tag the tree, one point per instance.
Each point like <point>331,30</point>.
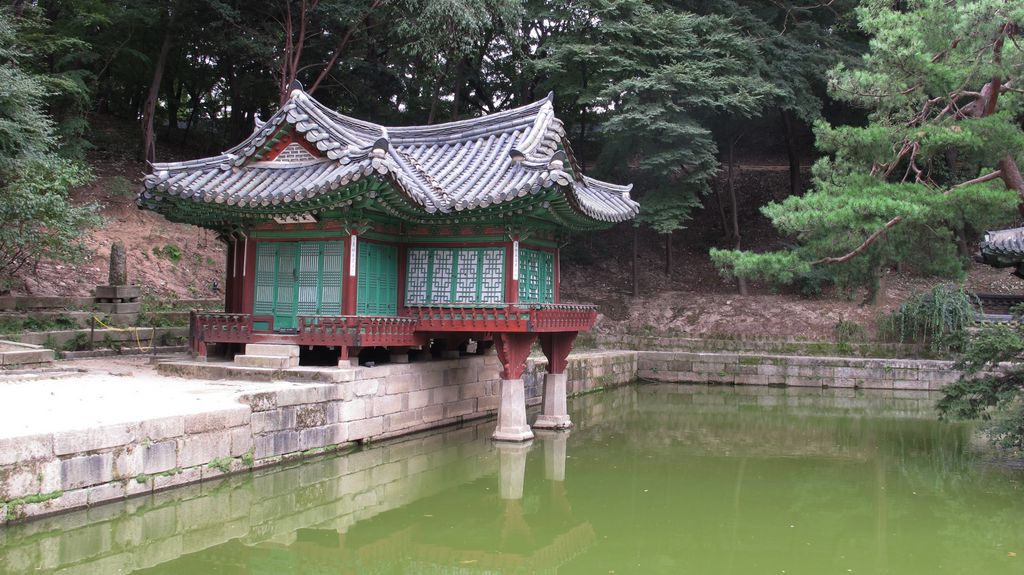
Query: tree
<point>37,220</point>
<point>945,119</point>
<point>653,77</point>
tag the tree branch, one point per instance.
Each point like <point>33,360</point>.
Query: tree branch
<point>860,249</point>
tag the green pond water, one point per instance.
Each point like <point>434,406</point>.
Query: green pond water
<point>653,479</point>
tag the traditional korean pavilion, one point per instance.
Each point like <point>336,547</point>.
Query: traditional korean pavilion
<point>344,234</point>
<point>1003,249</point>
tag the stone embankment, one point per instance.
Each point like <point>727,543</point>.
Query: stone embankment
<point>791,370</point>
<point>128,455</point>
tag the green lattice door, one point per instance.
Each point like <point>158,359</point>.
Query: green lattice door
<point>377,281</point>
<point>297,278</point>
<point>536,276</point>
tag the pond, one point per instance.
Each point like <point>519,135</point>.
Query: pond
<point>653,479</point>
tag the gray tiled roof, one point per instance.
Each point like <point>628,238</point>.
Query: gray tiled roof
<point>440,169</point>
<point>1002,248</point>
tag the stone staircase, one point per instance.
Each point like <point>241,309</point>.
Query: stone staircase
<point>269,355</point>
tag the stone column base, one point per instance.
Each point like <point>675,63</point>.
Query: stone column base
<point>512,424</point>
<point>555,414</point>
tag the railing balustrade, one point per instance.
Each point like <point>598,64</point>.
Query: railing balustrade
<point>406,329</point>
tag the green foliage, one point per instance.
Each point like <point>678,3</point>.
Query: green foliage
<point>222,464</point>
<point>169,251</point>
<point>939,317</point>
<point>652,76</point>
<point>37,219</point>
<point>991,392</point>
<point>912,161</point>
<point>774,267</point>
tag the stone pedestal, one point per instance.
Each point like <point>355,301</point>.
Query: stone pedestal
<point>512,468</point>
<point>555,414</point>
<point>554,453</point>
<point>512,424</point>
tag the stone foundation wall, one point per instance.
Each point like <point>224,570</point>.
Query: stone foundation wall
<point>800,371</point>
<point>60,471</point>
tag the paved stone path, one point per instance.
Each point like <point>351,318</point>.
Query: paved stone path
<point>112,390</point>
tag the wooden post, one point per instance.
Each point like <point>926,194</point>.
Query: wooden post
<point>92,331</point>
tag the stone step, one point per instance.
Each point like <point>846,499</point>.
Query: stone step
<point>271,361</point>
<point>272,349</point>
<point>214,370</point>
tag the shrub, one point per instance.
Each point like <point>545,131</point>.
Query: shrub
<point>939,318</point>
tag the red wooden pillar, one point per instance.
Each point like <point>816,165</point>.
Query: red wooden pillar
<point>512,270</point>
<point>230,281</point>
<point>247,277</point>
<point>558,275</point>
<point>402,255</point>
<point>348,282</point>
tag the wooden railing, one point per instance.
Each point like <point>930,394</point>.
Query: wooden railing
<point>356,331</point>
<point>411,328</point>
<point>222,327</point>
<point>522,317</point>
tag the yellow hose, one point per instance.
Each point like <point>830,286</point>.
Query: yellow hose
<point>134,331</point>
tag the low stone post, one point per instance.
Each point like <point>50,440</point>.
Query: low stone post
<point>117,275</point>
<point>117,299</point>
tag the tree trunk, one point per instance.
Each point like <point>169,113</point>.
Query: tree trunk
<point>795,184</point>
<point>458,86</point>
<point>741,283</point>
<point>174,91</point>
<point>195,100</point>
<point>668,254</point>
<point>636,261</point>
<point>721,207</point>
<point>1012,178</point>
<point>148,134</point>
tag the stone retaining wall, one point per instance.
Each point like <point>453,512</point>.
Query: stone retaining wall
<point>783,346</point>
<point>802,371</point>
<point>66,470</point>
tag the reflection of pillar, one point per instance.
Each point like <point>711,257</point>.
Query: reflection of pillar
<point>512,351</point>
<point>512,468</point>
<point>554,453</point>
<point>555,413</point>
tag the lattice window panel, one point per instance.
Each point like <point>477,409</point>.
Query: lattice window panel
<point>416,277</point>
<point>309,272</point>
<point>536,276</point>
<point>266,264</point>
<point>441,280</point>
<point>466,276</point>
<point>492,282</point>
<point>294,153</point>
<point>330,298</point>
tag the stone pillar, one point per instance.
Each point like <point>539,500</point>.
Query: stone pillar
<point>554,453</point>
<point>513,348</point>
<point>512,468</point>
<point>118,272</point>
<point>512,425</point>
<point>555,414</point>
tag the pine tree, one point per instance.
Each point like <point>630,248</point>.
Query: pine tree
<point>936,163</point>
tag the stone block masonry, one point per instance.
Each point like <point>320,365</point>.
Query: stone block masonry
<point>796,371</point>
<point>73,468</point>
